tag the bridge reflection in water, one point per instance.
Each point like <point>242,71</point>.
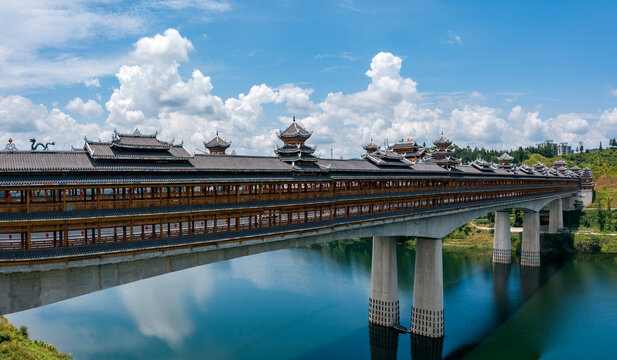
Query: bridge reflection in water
<point>384,341</point>
<point>21,291</point>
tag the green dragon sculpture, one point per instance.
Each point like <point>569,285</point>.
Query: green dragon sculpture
<point>45,147</point>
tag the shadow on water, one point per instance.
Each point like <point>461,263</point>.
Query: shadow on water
<point>531,280</point>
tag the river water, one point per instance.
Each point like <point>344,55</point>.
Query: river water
<point>312,303</point>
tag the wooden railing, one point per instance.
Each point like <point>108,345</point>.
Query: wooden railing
<point>36,234</point>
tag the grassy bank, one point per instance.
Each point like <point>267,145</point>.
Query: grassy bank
<point>15,344</point>
<point>468,237</point>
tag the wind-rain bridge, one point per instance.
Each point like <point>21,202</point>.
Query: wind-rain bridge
<point>138,197</point>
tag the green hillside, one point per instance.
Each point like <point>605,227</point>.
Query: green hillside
<point>602,163</point>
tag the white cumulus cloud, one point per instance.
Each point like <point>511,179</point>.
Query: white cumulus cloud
<point>22,120</point>
<point>89,108</point>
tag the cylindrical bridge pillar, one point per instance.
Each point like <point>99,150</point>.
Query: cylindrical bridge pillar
<point>530,247</point>
<point>555,216</point>
<point>427,308</point>
<point>502,245</point>
<point>383,303</point>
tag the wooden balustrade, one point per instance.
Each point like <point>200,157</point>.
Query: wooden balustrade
<point>35,234</point>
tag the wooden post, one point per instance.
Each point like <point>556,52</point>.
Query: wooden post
<point>66,236</point>
<point>131,224</point>
<point>28,200</point>
<point>98,200</point>
<point>161,228</point>
<point>100,235</point>
<point>28,240</point>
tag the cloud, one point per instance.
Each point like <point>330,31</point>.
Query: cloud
<point>152,95</point>
<point>170,47</point>
<point>453,39</point>
<point>478,124</point>
<point>21,120</point>
<point>613,92</point>
<point>210,5</point>
<point>345,55</point>
<point>89,108</point>
<point>92,82</point>
<point>33,31</point>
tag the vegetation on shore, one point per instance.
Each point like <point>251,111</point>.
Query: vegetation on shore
<point>15,344</point>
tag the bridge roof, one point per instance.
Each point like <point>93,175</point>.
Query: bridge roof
<point>18,168</point>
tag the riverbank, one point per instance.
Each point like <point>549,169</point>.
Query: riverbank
<point>481,239</point>
<point>15,344</point>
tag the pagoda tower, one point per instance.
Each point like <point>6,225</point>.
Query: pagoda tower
<point>294,150</point>
<point>505,162</point>
<point>540,168</point>
<point>217,146</point>
<point>442,155</point>
<point>371,147</point>
<point>409,149</point>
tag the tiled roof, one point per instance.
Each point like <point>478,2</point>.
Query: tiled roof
<point>45,160</point>
<point>217,142</point>
<point>442,141</point>
<point>240,163</point>
<point>505,157</point>
<point>294,130</point>
<point>371,147</point>
<point>105,151</point>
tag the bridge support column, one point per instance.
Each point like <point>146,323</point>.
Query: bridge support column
<point>530,247</point>
<point>502,244</point>
<point>555,216</point>
<point>383,303</point>
<point>427,308</point>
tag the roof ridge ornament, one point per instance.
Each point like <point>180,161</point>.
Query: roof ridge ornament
<point>136,132</point>
<point>10,146</point>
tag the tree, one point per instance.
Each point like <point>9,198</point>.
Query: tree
<point>582,148</point>
<point>578,205</point>
<point>518,218</point>
<point>600,216</point>
<point>600,148</point>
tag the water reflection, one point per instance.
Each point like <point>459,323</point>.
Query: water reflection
<point>426,348</point>
<point>312,303</point>
<point>501,278</point>
<point>383,341</point>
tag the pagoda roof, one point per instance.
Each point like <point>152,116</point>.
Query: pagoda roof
<point>107,151</point>
<point>442,140</point>
<point>371,147</point>
<point>483,165</point>
<point>405,145</point>
<point>290,149</point>
<point>217,142</point>
<point>526,169</point>
<point>294,130</point>
<point>138,141</point>
<point>575,168</point>
<point>505,157</point>
<point>559,163</point>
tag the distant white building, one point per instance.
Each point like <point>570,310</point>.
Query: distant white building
<point>563,148</point>
<point>560,149</point>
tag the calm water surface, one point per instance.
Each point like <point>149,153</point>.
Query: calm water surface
<point>313,304</point>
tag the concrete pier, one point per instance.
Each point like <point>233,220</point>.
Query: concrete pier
<point>530,247</point>
<point>427,308</point>
<point>383,303</point>
<point>502,244</point>
<point>555,216</point>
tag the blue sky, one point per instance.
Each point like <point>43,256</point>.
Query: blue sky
<point>495,74</point>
